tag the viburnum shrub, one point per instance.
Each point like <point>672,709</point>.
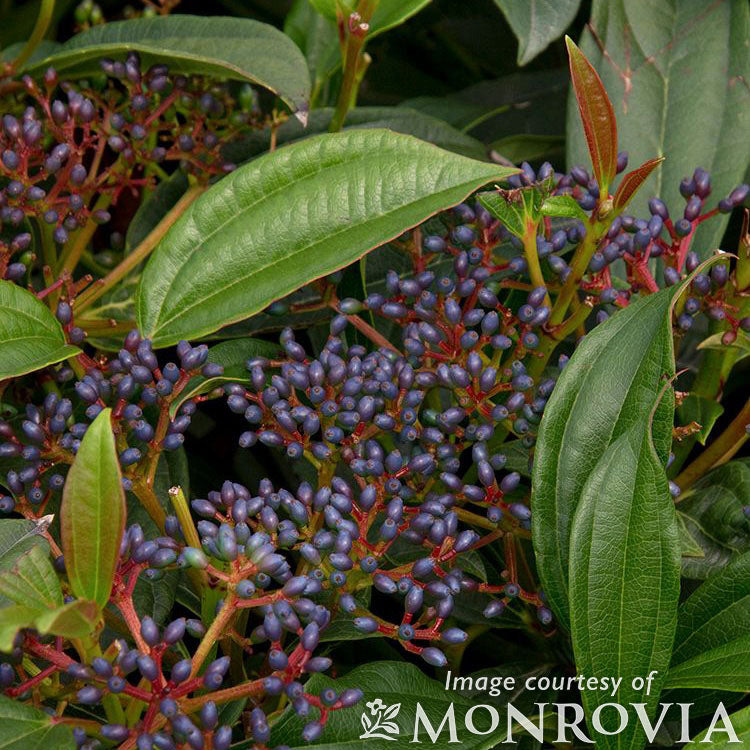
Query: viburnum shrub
<point>480,425</point>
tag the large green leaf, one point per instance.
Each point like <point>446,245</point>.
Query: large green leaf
<point>399,119</point>
<point>23,727</point>
<point>536,23</point>
<point>725,667</point>
<point>740,722</point>
<point>610,384</point>
<point>713,513</point>
<point>718,612</point>
<point>393,683</point>
<point>290,217</point>
<point>624,542</point>
<point>93,513</point>
<point>235,48</point>
<point>647,54</point>
<point>30,336</point>
<point>32,581</point>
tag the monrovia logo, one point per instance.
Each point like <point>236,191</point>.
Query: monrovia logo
<point>484,719</point>
<point>380,725</point>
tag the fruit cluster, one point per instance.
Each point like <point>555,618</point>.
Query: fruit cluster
<point>70,153</point>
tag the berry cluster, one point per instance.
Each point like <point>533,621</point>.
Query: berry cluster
<point>67,154</point>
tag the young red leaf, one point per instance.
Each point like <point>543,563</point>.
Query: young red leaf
<point>597,116</point>
<point>633,180</point>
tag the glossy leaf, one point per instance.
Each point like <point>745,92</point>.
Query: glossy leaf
<point>236,48</point>
<point>536,23</point>
<point>92,515</point>
<point>292,216</point>
<point>720,740</point>
<point>725,667</point>
<point>625,578</point>
<point>714,515</point>
<point>597,116</point>
<point>686,63</point>
<point>611,381</point>
<point>232,356</point>
<point>399,119</point>
<point>32,581</point>
<point>30,336</point>
<point>632,182</point>
<point>23,727</point>
<point>718,612</point>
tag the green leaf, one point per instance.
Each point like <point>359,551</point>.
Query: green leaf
<point>597,116</point>
<point>19,535</point>
<point>666,100</point>
<point>317,38</point>
<point>232,355</point>
<point>536,23</point>
<point>517,209</point>
<point>701,410</point>
<point>393,682</point>
<point>740,347</point>
<point>611,381</point>
<point>625,577</point>
<point>12,619</point>
<point>713,513</point>
<point>235,48</point>
<point>23,727</point>
<point>565,206</point>
<point>688,543</point>
<point>399,119</point>
<point>30,335</point>
<point>718,612</point>
<point>75,619</point>
<point>741,723</point>
<point>32,581</point>
<point>292,216</point>
<point>389,13</point>
<point>725,667</point>
<point>93,513</point>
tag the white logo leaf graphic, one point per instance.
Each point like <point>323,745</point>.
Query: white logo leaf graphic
<point>366,723</point>
<point>389,727</point>
<point>392,711</point>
